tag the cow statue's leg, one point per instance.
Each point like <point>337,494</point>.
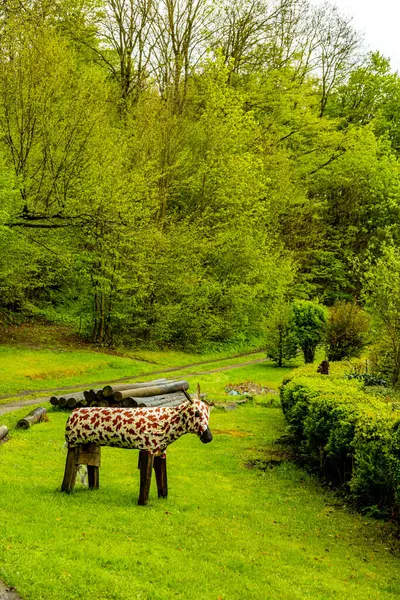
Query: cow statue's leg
<point>146,460</point>
<point>84,454</point>
<point>71,468</point>
<point>93,477</point>
<point>89,454</point>
<point>160,469</point>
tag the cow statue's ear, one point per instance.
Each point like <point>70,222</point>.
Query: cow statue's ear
<point>197,414</point>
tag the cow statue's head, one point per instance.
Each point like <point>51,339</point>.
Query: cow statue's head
<point>196,416</point>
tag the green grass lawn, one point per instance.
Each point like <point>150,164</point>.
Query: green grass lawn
<point>227,531</point>
<point>43,369</point>
<point>214,384</point>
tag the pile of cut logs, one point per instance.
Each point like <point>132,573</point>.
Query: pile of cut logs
<point>159,392</point>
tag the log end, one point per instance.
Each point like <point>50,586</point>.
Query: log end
<point>107,391</point>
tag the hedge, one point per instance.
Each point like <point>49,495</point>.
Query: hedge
<point>349,436</point>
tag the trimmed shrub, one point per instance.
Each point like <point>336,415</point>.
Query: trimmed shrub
<point>350,437</point>
<point>375,482</point>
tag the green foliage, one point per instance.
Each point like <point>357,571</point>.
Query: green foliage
<point>172,204</point>
<point>349,436</point>
<point>382,294</point>
<point>369,379</point>
<point>371,95</point>
<point>347,331</point>
<point>281,339</point>
<point>310,324</point>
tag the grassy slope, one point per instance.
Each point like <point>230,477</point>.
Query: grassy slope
<point>226,531</point>
<point>39,369</point>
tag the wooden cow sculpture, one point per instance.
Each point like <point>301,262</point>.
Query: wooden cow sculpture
<point>149,430</point>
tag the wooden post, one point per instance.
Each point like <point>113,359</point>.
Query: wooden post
<point>86,454</point>
<point>89,454</point>
<point>146,466</point>
<point>93,477</point>
<point>160,469</point>
<point>128,403</point>
<point>101,402</point>
<point>90,396</point>
<point>71,468</point>
<point>323,368</point>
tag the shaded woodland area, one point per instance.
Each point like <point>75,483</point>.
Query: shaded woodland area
<point>171,169</point>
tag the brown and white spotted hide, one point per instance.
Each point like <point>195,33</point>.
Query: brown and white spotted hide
<point>151,429</point>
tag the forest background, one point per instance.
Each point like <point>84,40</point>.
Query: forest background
<point>172,170</point>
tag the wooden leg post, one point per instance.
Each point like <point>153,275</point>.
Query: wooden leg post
<point>90,455</point>
<point>70,470</point>
<point>160,469</point>
<point>93,477</point>
<point>146,466</point>
<point>86,454</point>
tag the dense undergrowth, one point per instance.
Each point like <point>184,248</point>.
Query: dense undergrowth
<point>350,436</point>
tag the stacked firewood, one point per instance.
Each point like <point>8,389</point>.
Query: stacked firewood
<point>159,392</point>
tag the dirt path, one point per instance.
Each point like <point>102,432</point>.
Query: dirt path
<point>7,594</point>
<point>6,408</point>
